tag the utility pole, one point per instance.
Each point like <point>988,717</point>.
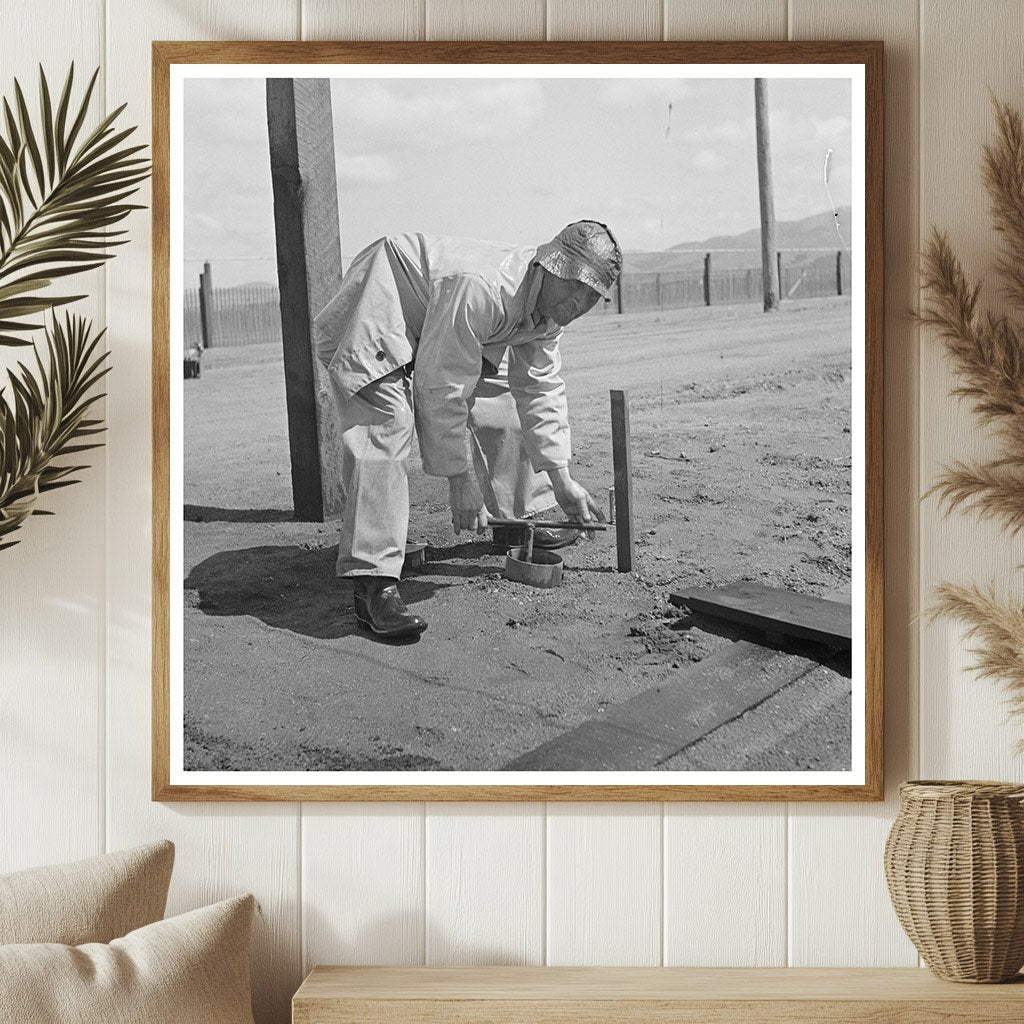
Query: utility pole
<point>769,264</point>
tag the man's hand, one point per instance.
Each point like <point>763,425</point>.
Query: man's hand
<point>573,499</point>
<point>468,512</point>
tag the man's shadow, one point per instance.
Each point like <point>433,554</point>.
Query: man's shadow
<point>294,587</point>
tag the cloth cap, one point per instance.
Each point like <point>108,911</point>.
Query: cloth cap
<point>583,251</point>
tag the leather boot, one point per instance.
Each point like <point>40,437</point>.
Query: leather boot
<point>380,608</point>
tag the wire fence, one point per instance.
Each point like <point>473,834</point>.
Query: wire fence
<point>244,315</point>
<point>251,314</point>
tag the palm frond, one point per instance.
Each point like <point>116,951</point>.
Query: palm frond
<point>62,192</point>
<point>46,419</point>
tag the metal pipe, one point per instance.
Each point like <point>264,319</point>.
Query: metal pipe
<point>545,524</point>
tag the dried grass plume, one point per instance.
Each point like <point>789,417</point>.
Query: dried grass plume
<point>986,351</point>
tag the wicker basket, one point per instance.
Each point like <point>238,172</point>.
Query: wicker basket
<point>954,861</point>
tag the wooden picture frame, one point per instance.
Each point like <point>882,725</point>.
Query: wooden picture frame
<point>169,779</point>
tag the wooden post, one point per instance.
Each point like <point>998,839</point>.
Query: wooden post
<point>839,272</point>
<point>618,292</point>
<point>622,461</point>
<point>707,279</point>
<point>769,268</point>
<point>206,305</point>
<point>778,260</point>
<point>302,169</point>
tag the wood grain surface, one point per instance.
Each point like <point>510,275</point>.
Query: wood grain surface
<point>333,995</point>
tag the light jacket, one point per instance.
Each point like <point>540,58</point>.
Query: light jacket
<point>445,305</point>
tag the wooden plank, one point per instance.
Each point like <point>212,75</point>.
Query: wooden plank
<point>774,610</point>
<point>221,849</point>
<point>645,1012</point>
<point>301,133</point>
<point>683,986</point>
<point>806,726</point>
<point>484,884</point>
<point>52,588</point>
<point>605,895</point>
<point>647,729</point>
<point>839,908</point>
<point>622,461</point>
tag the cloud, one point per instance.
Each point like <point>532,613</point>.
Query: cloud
<point>631,92</point>
<point>730,131</point>
<point>832,128</point>
<point>431,114</point>
<point>706,160</point>
<point>365,169</point>
<point>225,113</point>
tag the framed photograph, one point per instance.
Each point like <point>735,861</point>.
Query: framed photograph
<point>527,443</point>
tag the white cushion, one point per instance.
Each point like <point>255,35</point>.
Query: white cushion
<point>190,969</point>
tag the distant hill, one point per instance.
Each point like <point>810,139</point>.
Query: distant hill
<point>815,232</point>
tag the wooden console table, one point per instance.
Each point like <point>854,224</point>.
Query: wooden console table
<point>647,995</point>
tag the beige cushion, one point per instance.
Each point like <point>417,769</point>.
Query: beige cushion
<point>93,900</point>
<point>191,969</point>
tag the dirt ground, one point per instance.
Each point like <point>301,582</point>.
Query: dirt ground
<point>741,471</point>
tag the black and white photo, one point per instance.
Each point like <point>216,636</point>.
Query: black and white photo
<point>523,435</point>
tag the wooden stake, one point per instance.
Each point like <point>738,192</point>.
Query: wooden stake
<point>206,305</point>
<point>622,461</point>
<point>769,267</point>
<point>305,185</point>
<point>839,272</point>
<point>707,279</point>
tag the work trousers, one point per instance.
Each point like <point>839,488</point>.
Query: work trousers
<point>377,425</point>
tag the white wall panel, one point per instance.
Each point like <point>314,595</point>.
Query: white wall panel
<point>362,884</point>
<point>485,883</point>
<point>604,884</point>
<point>363,19</point>
<point>725,885</point>
<point>967,48</point>
<point>836,851</point>
<point>485,19</point>
<point>222,848</point>
<point>584,19</point>
<point>725,19</point>
<point>52,583</point>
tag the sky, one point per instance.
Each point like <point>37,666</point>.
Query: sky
<point>661,161</point>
